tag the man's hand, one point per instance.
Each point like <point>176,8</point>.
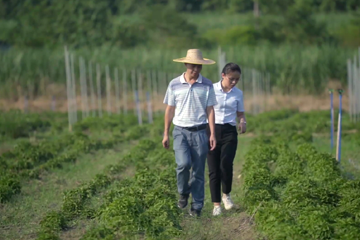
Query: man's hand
<point>169,114</point>
<point>212,142</point>
<point>166,142</point>
<point>242,127</point>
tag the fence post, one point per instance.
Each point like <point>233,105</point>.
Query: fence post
<point>82,88</point>
<point>355,87</point>
<point>254,89</point>
<point>125,91</point>
<point>92,91</point>
<point>133,83</point>
<point>331,119</point>
<point>148,100</point>
<point>338,150</point>
<point>68,88</point>
<point>98,83</point>
<point>117,90</point>
<point>138,97</point>
<point>86,92</point>
<point>73,87</point>
<point>108,89</point>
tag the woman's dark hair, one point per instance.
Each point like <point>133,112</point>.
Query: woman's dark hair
<point>231,67</point>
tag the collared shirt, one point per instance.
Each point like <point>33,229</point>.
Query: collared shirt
<point>228,104</point>
<point>190,101</point>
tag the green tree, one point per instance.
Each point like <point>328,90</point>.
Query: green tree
<point>44,23</point>
<point>240,5</point>
<point>275,6</point>
<point>300,25</point>
<point>167,27</point>
<point>215,5</point>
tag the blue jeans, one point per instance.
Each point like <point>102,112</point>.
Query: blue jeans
<point>191,149</point>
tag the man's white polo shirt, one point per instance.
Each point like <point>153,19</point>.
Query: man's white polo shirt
<point>190,101</point>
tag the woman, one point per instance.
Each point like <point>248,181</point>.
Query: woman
<point>229,106</point>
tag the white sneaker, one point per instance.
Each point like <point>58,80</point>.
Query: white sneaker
<point>228,203</point>
<point>216,211</point>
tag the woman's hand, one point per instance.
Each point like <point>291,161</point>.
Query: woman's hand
<point>212,141</point>
<point>242,127</point>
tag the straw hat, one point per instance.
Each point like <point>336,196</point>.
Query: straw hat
<point>194,56</point>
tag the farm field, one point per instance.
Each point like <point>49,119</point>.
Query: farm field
<point>111,179</point>
<point>81,118</point>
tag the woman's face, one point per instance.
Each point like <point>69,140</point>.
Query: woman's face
<point>230,79</point>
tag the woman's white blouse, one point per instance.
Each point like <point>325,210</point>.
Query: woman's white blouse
<point>228,104</point>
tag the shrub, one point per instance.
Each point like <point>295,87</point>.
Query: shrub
<point>237,35</point>
<point>9,186</point>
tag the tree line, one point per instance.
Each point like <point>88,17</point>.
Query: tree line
<point>39,23</point>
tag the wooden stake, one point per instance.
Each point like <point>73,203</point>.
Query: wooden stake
<point>108,89</point>
<point>117,90</point>
<point>68,88</point>
<point>98,83</point>
<point>92,91</point>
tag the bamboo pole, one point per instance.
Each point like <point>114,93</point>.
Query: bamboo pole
<point>133,88</point>
<point>155,86</point>
<point>98,83</point>
<point>108,89</point>
<point>92,91</point>
<point>68,88</point>
<point>117,90</point>
<point>85,88</point>
<point>125,91</point>
<point>350,89</point>
<point>338,149</point>
<point>73,87</point>
<point>355,87</point>
<point>82,90</point>
<point>139,97</point>
<point>254,90</point>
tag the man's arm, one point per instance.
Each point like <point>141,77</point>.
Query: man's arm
<point>211,118</point>
<point>169,115</point>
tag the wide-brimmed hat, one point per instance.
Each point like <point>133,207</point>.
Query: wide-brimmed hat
<point>194,56</point>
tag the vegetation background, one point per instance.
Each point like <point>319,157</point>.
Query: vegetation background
<point>60,185</point>
<point>166,23</point>
<point>303,44</point>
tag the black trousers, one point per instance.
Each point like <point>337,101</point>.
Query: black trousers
<point>220,160</point>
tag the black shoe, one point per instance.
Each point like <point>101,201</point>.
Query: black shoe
<point>195,213</point>
<point>183,201</point>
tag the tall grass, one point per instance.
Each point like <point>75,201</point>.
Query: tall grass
<point>298,68</point>
<point>291,67</point>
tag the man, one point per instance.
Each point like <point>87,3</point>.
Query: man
<point>190,99</point>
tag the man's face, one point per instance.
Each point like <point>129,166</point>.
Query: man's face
<point>193,69</point>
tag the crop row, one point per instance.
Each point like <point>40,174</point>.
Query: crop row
<point>299,193</point>
<point>15,124</point>
<point>142,205</point>
<point>29,161</point>
<point>281,121</point>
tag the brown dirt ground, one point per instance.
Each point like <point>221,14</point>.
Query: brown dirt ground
<point>273,102</point>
